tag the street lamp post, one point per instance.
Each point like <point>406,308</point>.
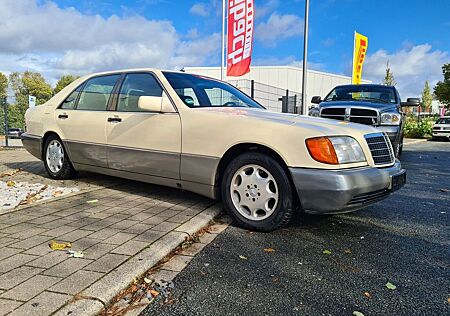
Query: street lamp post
<point>305,57</point>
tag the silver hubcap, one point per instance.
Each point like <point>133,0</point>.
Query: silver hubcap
<point>55,156</point>
<point>254,192</point>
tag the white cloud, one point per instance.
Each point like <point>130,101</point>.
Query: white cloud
<point>267,8</point>
<point>278,27</point>
<point>41,36</point>
<point>411,66</point>
<point>199,9</point>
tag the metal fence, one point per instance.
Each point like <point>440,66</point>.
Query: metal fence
<point>273,98</point>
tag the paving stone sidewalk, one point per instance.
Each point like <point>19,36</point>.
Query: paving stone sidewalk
<point>121,228</point>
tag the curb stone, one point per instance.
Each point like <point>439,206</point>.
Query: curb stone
<point>119,279</point>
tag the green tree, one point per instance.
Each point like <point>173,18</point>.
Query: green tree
<point>427,98</point>
<point>63,82</point>
<point>389,77</point>
<point>3,85</point>
<point>3,94</point>
<point>442,88</point>
<point>24,85</point>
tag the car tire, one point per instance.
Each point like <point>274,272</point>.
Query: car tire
<point>257,193</point>
<point>56,160</point>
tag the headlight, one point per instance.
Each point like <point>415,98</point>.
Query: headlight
<point>335,150</point>
<point>315,112</point>
<point>390,118</point>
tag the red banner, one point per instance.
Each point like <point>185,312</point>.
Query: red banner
<point>241,15</point>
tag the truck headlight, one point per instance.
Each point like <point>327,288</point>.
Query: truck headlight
<point>314,112</point>
<point>335,150</point>
<point>390,118</point>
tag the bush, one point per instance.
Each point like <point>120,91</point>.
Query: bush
<point>423,128</point>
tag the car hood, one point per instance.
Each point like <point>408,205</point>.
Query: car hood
<point>313,124</point>
<point>375,105</point>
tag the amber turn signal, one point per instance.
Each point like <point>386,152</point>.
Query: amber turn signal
<point>322,150</point>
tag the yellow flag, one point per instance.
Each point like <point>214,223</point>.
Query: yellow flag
<point>359,54</point>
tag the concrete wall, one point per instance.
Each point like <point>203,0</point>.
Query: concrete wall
<point>284,77</point>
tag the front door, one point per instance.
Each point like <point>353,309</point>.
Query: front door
<point>139,141</point>
<point>82,119</point>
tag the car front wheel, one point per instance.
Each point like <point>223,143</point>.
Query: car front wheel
<point>56,160</point>
<point>257,193</point>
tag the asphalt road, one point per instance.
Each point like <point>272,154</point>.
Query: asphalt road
<point>403,240</point>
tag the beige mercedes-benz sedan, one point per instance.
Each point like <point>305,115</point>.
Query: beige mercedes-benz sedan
<point>206,136</point>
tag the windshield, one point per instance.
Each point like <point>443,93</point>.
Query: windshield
<point>381,94</point>
<point>444,120</point>
<point>196,91</point>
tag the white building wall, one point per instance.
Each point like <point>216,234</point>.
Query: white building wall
<point>284,77</point>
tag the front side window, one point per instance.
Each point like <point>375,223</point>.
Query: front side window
<point>444,120</point>
<point>96,93</point>
<point>71,100</point>
<point>135,86</point>
<point>196,91</point>
<point>379,94</point>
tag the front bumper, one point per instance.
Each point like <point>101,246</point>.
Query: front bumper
<point>393,132</point>
<point>340,191</point>
<point>33,144</point>
<point>441,134</point>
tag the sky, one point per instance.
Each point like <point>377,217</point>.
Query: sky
<point>83,36</point>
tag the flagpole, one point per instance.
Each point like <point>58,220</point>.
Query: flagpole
<point>222,62</point>
<point>354,46</point>
<point>305,57</point>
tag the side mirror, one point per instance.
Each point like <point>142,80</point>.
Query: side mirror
<point>316,99</point>
<point>156,104</point>
<point>411,102</point>
<point>150,104</point>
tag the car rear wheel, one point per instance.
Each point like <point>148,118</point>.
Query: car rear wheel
<point>56,161</point>
<point>257,193</point>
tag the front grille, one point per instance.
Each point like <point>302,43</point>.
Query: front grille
<point>380,148</point>
<point>436,128</point>
<point>355,115</point>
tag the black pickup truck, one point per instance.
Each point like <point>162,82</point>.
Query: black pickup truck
<point>370,104</point>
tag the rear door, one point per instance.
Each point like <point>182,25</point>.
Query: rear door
<point>140,141</point>
<point>82,118</point>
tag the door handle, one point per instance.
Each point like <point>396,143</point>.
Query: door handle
<point>63,116</point>
<point>114,119</point>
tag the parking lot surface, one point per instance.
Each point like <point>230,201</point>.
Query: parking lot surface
<point>118,225</point>
<point>335,265</point>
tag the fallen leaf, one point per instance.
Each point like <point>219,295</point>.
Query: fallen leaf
<point>148,281</point>
<point>10,183</point>
<point>243,257</point>
<point>390,286</point>
<point>348,250</point>
<point>92,201</point>
<point>448,300</point>
<point>154,293</point>
<point>269,250</point>
<point>57,193</point>
<point>274,280</point>
<point>356,313</point>
<point>54,245</point>
<point>367,294</point>
<point>326,252</point>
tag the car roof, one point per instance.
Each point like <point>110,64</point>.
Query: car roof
<point>365,85</point>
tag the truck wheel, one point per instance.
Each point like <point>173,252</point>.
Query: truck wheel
<point>257,193</point>
<point>56,161</point>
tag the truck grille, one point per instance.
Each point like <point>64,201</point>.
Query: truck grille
<point>380,148</point>
<point>355,115</point>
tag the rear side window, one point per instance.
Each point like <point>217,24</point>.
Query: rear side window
<point>135,86</point>
<point>71,100</point>
<point>96,93</point>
